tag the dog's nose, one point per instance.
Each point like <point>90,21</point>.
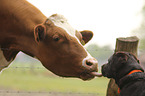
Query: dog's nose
<point>105,71</point>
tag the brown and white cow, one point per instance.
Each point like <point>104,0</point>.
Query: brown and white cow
<point>51,40</point>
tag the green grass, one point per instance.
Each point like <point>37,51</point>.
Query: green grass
<point>25,79</point>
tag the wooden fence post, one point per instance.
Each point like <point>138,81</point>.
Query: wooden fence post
<point>129,44</point>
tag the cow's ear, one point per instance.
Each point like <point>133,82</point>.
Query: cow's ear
<point>86,35</point>
<point>39,33</point>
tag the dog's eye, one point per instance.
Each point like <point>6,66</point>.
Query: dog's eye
<point>138,61</point>
<point>109,61</point>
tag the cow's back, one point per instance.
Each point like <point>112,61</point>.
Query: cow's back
<point>17,17</point>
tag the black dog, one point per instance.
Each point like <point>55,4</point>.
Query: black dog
<point>127,72</point>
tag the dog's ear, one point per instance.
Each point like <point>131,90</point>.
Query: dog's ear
<point>122,57</point>
<point>135,58</point>
<point>119,60</point>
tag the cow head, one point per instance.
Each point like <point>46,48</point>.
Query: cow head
<point>60,49</point>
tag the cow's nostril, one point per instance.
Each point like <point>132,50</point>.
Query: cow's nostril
<point>89,63</point>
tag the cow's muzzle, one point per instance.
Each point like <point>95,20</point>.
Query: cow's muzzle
<point>90,64</point>
<point>91,68</point>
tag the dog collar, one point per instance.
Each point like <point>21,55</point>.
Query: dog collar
<point>131,72</point>
<point>134,71</point>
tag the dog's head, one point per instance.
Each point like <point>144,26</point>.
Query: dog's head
<point>120,64</point>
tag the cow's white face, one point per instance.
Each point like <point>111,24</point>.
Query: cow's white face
<point>61,22</point>
<point>61,51</point>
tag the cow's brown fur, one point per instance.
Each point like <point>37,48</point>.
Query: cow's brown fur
<point>17,22</point>
<point>24,28</point>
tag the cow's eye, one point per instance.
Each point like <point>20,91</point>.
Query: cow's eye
<point>56,38</point>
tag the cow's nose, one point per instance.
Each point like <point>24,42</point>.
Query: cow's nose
<point>91,64</point>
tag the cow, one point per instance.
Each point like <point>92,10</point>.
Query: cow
<point>57,45</point>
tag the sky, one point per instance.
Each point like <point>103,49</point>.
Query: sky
<point>108,19</point>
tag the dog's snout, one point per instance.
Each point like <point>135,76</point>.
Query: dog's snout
<point>104,69</point>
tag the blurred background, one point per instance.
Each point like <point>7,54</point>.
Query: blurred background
<point>108,19</point>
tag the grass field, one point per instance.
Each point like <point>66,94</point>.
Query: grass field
<point>38,79</point>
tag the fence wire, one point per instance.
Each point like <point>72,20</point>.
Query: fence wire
<point>20,93</point>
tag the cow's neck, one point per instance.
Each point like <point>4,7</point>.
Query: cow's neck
<point>24,42</point>
<point>17,21</point>
<point>17,28</point>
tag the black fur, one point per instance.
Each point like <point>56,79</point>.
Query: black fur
<point>118,66</point>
